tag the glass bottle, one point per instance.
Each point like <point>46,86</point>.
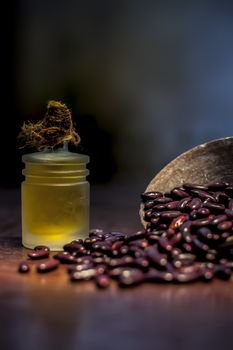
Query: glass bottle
<point>55,198</point>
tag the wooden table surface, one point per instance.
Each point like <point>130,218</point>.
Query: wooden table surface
<point>40,312</point>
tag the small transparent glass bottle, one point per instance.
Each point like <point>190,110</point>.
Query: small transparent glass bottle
<point>55,198</point>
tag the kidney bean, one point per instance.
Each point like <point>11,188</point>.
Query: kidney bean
<point>225,225</point>
<point>175,252</point>
<point>134,236</point>
<point>187,277</point>
<point>203,212</point>
<point>39,254</point>
<point>130,277</point>
<point>153,238</point>
<point>162,227</point>
<point>178,221</point>
<point>177,192</point>
<point>24,267</point>
<point>175,239</point>
<point>172,205</point>
<point>154,221</point>
<point>195,204</point>
<point>185,229</point>
<point>96,232</point>
<point>215,207</point>
<point>150,195</point>
<point>230,204</point>
<point>187,247</point>
<point>121,262</point>
<point>183,203</point>
<point>136,252</point>
<point>193,214</point>
<point>73,247</point>
<point>84,275</point>
<point>222,272</point>
<point>201,222</point>
<point>200,245</point>
<point>221,197</point>
<point>229,191</point>
<point>218,219</point>
<point>148,205</point>
<point>155,257</point>
<point>170,214</point>
<point>80,267</point>
<point>203,195</point>
<point>154,275</point>
<point>189,186</point>
<point>229,213</point>
<point>102,281</point>
<point>42,247</point>
<point>148,215</point>
<point>165,244</point>
<point>162,200</point>
<point>47,266</point>
<point>159,207</point>
<point>217,186</point>
<point>65,258</point>
<point>205,233</point>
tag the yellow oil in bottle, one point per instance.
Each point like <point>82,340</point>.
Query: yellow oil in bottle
<point>55,199</point>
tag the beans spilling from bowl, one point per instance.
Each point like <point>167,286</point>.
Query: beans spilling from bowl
<point>188,237</point>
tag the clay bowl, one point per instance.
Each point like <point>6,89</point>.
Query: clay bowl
<point>203,164</point>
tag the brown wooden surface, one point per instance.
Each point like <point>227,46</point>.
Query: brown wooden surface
<point>41,312</point>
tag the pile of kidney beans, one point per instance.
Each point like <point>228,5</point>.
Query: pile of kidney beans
<point>188,237</point>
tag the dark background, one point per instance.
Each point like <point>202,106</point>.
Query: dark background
<point>146,80</point>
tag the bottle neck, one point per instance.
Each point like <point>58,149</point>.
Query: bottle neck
<point>50,173</point>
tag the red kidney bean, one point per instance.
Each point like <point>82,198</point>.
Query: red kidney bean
<point>148,214</point>
<point>229,191</point>
<point>193,215</point>
<point>177,192</point>
<point>230,204</point>
<point>170,214</point>
<point>80,267</point>
<point>201,222</point>
<point>121,262</point>
<point>162,227</point>
<point>42,247</point>
<point>178,221</point>
<point>183,203</point>
<point>137,252</point>
<point>154,221</point>
<point>218,219</point>
<point>225,225</point>
<point>131,277</point>
<point>155,257</point>
<point>217,186</point>
<point>203,212</point>
<point>229,213</point>
<point>162,200</point>
<point>149,205</point>
<point>102,281</point>
<point>221,197</point>
<point>47,266</point>
<point>134,236</point>
<point>142,263</point>
<point>187,277</point>
<point>154,275</point>
<point>24,267</point>
<point>150,195</point>
<point>203,195</point>
<point>205,233</point>
<point>96,232</point>
<point>187,247</point>
<point>172,205</point>
<point>214,206</point>
<point>189,186</point>
<point>200,245</point>
<point>195,204</point>
<point>39,254</point>
<point>175,251</point>
<point>84,275</point>
<point>185,229</point>
<point>153,238</point>
<point>222,272</point>
<point>159,207</point>
<point>65,258</point>
<point>175,239</point>
<point>140,243</point>
<point>165,244</point>
<point>73,247</point>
